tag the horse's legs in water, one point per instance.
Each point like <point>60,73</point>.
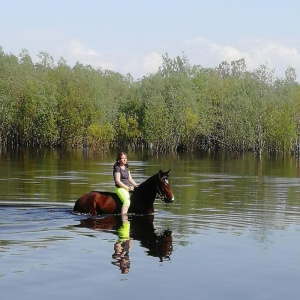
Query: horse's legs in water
<point>94,208</point>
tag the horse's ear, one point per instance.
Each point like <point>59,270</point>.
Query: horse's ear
<point>167,173</point>
<point>162,173</point>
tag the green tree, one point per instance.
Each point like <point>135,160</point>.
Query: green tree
<point>100,136</point>
<point>127,132</point>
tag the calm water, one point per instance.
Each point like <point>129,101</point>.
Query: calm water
<point>231,233</point>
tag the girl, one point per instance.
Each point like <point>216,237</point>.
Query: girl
<point>123,181</point>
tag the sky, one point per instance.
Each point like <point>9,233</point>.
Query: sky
<point>131,36</point>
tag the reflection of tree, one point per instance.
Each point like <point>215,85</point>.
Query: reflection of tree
<point>138,228</point>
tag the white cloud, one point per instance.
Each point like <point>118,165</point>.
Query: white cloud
<point>152,62</point>
<point>137,66</point>
<point>140,66</point>
<point>78,49</point>
<point>279,56</point>
<point>206,53</point>
<point>78,52</point>
<point>199,51</point>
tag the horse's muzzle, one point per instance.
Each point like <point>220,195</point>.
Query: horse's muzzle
<point>168,200</point>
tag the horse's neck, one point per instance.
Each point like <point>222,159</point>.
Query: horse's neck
<point>148,188</point>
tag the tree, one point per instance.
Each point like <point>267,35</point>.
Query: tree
<point>127,132</point>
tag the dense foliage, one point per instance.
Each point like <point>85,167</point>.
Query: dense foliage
<point>181,107</point>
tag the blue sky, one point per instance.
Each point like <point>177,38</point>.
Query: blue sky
<point>131,36</point>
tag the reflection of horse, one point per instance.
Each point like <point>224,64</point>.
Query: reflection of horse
<point>141,229</point>
<point>141,199</point>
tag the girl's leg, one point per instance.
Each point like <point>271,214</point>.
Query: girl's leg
<point>124,209</point>
<point>125,198</point>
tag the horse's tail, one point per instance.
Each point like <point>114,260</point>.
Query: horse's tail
<point>76,206</point>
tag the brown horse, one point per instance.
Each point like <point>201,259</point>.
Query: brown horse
<point>142,198</point>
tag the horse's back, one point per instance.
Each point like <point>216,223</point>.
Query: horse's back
<point>97,203</point>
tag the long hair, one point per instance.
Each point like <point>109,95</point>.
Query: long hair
<point>117,163</point>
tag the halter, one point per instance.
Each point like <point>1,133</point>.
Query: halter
<point>159,193</point>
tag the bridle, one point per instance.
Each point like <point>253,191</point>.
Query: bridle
<point>159,191</point>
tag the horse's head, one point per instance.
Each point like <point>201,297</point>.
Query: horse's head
<point>163,187</point>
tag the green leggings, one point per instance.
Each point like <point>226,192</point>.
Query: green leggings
<point>123,232</point>
<point>123,195</point>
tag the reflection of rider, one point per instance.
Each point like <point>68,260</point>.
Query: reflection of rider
<point>122,247</point>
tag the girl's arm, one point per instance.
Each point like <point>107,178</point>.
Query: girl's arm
<point>130,179</point>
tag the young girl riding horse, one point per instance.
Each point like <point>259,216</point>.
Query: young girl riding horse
<point>123,181</point>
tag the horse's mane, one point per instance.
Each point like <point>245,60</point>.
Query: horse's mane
<point>146,182</point>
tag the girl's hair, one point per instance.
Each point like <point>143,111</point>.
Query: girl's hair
<point>117,163</point>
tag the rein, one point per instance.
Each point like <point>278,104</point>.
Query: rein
<point>159,192</point>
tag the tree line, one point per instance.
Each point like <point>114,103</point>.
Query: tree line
<point>181,107</point>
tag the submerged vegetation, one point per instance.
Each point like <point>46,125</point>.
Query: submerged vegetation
<point>181,107</point>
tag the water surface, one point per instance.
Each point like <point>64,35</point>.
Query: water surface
<point>231,233</point>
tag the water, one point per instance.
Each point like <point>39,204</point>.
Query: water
<point>231,233</point>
